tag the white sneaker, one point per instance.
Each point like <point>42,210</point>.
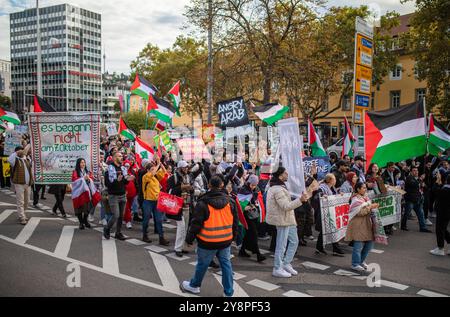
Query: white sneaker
<point>91,218</point>
<point>432,215</point>
<point>104,222</point>
<point>288,268</point>
<point>428,222</point>
<point>364,265</point>
<point>129,226</point>
<point>438,251</point>
<point>280,273</point>
<point>358,268</point>
<point>310,238</point>
<point>186,287</point>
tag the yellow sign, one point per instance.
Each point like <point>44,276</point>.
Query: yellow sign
<point>6,167</point>
<point>363,79</point>
<point>359,113</point>
<point>364,51</point>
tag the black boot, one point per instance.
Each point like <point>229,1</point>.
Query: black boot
<point>260,257</point>
<point>85,221</point>
<point>243,254</point>
<point>80,219</point>
<point>146,239</point>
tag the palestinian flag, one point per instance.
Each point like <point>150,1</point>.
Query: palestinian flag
<point>164,111</point>
<point>174,95</point>
<point>349,140</point>
<point>123,130</point>
<point>262,208</point>
<point>40,105</point>
<point>241,217</point>
<point>142,87</point>
<point>244,200</point>
<point>314,141</point>
<point>9,116</point>
<point>271,112</point>
<point>143,150</point>
<point>160,125</point>
<point>439,137</point>
<point>395,135</point>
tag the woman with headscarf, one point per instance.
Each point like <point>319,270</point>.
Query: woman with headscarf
<point>250,201</point>
<point>82,212</point>
<point>349,184</point>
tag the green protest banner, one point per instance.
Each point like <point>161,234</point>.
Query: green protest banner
<point>390,207</point>
<point>165,138</point>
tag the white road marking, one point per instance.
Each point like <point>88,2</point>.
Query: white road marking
<point>110,261</point>
<point>264,251</point>
<point>345,273</point>
<point>65,240</point>
<point>393,285</point>
<point>5,214</point>
<point>263,285</point>
<point>316,266</point>
<point>359,277</point>
<point>5,204</point>
<point>169,226</point>
<point>173,256</point>
<point>238,290</point>
<point>155,248</point>
<point>99,269</point>
<point>168,278</point>
<point>236,276</point>
<point>426,293</point>
<point>295,294</point>
<point>133,241</point>
<point>377,251</point>
<point>29,228</point>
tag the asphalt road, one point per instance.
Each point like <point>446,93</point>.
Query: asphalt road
<point>35,258</point>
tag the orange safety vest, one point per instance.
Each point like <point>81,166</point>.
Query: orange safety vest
<point>219,226</point>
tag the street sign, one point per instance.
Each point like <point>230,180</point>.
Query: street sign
<point>359,116</point>
<point>364,51</point>
<point>364,27</point>
<point>363,79</point>
<point>361,101</point>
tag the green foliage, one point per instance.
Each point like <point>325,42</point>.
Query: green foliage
<point>136,121</point>
<point>5,102</point>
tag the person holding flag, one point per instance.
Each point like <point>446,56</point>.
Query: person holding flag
<point>349,140</point>
<point>314,142</point>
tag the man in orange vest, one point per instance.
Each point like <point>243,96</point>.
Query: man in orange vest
<point>214,224</point>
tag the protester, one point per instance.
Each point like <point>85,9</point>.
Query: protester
<point>359,229</point>
<point>22,178</point>
<point>442,206</point>
<point>349,184</point>
<point>116,178</point>
<point>214,226</point>
<point>304,215</point>
<point>180,184</point>
<point>250,193</point>
<point>82,211</point>
<point>373,179</point>
<point>326,188</point>
<point>339,173</point>
<point>151,190</point>
<point>60,192</point>
<point>280,213</point>
<point>414,200</point>
<point>131,192</point>
<point>358,168</point>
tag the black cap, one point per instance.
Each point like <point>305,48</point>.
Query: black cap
<point>359,158</point>
<point>18,148</point>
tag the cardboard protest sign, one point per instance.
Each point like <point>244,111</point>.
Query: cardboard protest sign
<point>322,164</point>
<point>22,129</point>
<point>232,113</point>
<point>59,139</point>
<point>111,129</point>
<point>13,139</point>
<point>193,149</point>
<point>6,167</point>
<point>290,143</point>
<point>148,137</point>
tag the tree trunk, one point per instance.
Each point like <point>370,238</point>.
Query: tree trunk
<point>267,88</point>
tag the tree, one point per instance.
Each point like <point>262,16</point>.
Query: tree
<point>117,106</point>
<point>136,120</point>
<point>5,102</point>
<point>429,40</point>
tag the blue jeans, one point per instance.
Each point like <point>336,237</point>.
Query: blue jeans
<point>135,206</point>
<point>285,234</point>
<point>149,210</point>
<point>204,258</point>
<point>360,251</point>
<point>103,214</point>
<point>418,208</point>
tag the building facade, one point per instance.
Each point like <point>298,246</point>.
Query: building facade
<point>113,87</point>
<point>71,58</point>
<point>5,78</point>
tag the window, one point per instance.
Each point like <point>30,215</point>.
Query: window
<point>396,73</point>
<point>395,99</point>
<point>395,43</point>
<point>420,93</point>
<point>325,105</point>
<point>346,103</point>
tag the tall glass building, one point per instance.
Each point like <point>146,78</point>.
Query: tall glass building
<point>71,44</point>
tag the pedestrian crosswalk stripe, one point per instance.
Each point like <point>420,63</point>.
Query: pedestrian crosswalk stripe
<point>345,273</point>
<point>5,204</point>
<point>65,240</point>
<point>238,290</point>
<point>173,256</point>
<point>110,261</point>
<point>156,249</point>
<point>236,276</point>
<point>359,277</point>
<point>377,251</point>
<point>263,285</point>
<point>393,285</point>
<point>264,251</point>
<point>426,293</point>
<point>169,226</point>
<point>29,228</point>
<point>166,274</point>
<point>295,294</point>
<point>5,214</point>
<point>315,266</point>
<point>134,241</point>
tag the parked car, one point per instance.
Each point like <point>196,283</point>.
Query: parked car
<point>337,147</point>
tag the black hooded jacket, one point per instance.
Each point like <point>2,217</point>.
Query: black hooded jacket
<point>217,200</point>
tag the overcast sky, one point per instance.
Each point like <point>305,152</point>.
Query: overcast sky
<point>127,26</point>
